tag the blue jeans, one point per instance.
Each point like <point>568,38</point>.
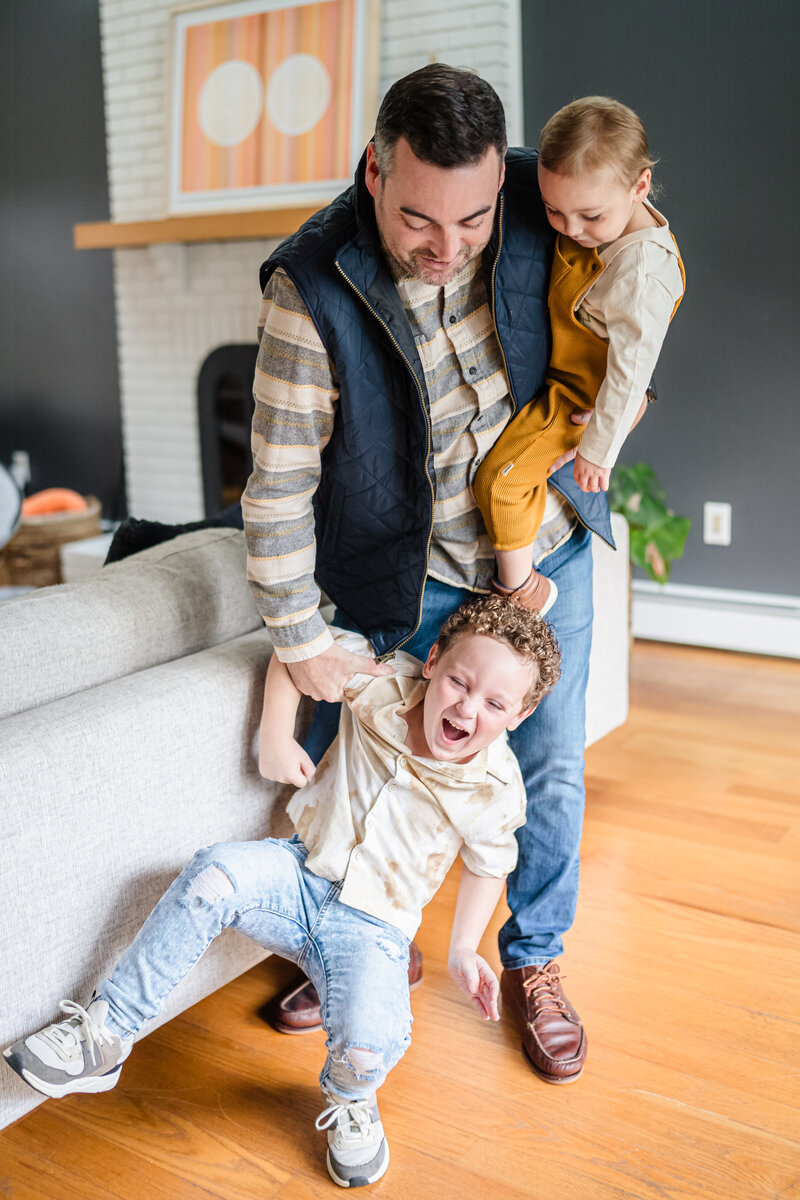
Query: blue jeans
<point>357,963</point>
<point>543,890</point>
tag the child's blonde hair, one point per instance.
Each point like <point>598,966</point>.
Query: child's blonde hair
<point>595,132</point>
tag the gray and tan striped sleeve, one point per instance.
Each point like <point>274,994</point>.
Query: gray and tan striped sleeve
<point>295,395</point>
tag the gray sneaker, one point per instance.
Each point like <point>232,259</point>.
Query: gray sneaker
<point>80,1054</point>
<point>358,1153</point>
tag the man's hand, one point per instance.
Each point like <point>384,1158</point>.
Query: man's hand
<point>324,677</point>
<point>476,979</point>
<point>577,418</point>
<point>583,418</point>
<point>590,478</point>
<point>284,760</point>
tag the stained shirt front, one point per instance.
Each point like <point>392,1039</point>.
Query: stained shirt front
<point>388,823</point>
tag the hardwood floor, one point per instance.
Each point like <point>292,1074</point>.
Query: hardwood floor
<point>683,962</point>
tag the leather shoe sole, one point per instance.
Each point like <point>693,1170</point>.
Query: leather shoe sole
<point>547,1077</point>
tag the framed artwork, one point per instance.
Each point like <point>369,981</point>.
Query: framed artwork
<point>272,101</point>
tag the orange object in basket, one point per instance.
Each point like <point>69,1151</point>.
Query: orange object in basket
<point>53,500</point>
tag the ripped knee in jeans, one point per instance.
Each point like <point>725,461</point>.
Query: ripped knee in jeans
<point>209,886</point>
<point>355,1063</point>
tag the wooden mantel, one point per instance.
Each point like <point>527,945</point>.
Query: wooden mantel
<point>205,227</point>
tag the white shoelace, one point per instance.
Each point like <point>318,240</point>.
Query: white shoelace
<point>66,1036</point>
<point>354,1120</point>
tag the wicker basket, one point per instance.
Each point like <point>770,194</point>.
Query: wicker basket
<point>32,556</point>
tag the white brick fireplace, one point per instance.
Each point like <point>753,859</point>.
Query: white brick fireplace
<point>176,303</point>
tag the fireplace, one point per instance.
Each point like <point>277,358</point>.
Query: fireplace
<point>224,414</point>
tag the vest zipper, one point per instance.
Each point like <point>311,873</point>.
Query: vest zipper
<point>390,654</point>
<point>494,304</point>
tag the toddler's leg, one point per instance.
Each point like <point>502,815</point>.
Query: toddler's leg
<point>511,491</point>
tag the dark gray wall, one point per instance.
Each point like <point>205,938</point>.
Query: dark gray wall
<point>59,395</point>
<point>715,84</point>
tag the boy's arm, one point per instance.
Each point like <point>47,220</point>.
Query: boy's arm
<point>477,899</point>
<point>280,757</point>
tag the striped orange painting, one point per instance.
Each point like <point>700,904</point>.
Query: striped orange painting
<point>267,98</point>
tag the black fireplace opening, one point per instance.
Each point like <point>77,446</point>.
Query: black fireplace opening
<point>225,413</point>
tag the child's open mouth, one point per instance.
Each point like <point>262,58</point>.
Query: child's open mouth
<point>451,732</point>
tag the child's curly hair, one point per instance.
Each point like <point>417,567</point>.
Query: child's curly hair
<point>526,632</point>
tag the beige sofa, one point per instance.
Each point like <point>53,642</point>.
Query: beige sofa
<point>129,707</point>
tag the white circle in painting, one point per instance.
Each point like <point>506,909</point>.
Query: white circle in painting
<point>298,94</point>
<point>230,102</point>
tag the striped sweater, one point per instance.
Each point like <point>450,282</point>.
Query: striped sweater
<point>295,394</point>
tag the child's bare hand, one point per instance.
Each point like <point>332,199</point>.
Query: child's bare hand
<point>284,760</point>
<point>477,980</point>
<point>588,477</point>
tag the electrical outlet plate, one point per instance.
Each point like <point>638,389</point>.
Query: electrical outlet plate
<point>716,523</point>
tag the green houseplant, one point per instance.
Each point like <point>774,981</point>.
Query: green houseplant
<point>657,535</point>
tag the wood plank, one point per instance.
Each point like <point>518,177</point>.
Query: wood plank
<point>204,227</point>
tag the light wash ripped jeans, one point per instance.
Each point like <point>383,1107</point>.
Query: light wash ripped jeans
<point>358,963</point>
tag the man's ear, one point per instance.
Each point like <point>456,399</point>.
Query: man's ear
<point>430,661</point>
<point>372,177</point>
<point>502,175</point>
<point>526,712</point>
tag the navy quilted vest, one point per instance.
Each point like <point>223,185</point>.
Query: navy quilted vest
<point>374,505</point>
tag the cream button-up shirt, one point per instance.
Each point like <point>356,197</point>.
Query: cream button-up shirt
<point>390,824</point>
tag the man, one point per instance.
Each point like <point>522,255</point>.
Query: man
<point>401,329</point>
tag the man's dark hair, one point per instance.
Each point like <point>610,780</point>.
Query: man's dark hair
<point>449,116</point>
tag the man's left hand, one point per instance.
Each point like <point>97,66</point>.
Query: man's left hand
<point>583,418</point>
<point>577,418</point>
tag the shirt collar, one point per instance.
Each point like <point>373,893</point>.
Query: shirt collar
<point>492,760</point>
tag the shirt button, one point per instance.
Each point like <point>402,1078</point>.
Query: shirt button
<point>452,319</point>
<point>473,370</point>
<point>391,787</point>
<point>402,760</point>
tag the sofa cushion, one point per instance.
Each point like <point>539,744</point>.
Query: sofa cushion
<point>106,795</point>
<point>167,602</point>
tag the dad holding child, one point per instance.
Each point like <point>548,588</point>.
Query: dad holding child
<point>401,329</point>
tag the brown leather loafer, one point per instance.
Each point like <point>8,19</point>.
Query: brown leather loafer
<point>553,1039</point>
<point>296,1008</point>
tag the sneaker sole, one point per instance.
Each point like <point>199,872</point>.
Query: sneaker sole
<point>359,1180</point>
<point>56,1091</point>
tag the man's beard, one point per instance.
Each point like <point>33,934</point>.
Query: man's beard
<point>414,266</point>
